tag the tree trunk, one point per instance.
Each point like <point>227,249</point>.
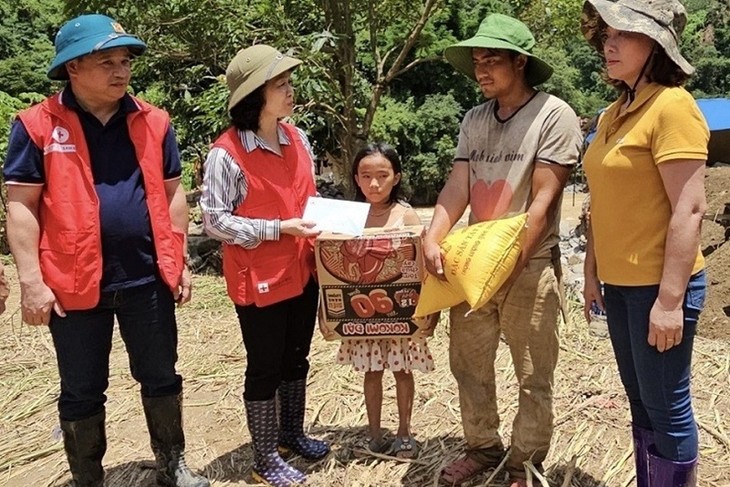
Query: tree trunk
<point>354,131</point>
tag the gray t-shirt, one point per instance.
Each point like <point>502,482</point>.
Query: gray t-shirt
<point>502,156</point>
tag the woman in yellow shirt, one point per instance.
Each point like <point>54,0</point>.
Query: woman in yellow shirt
<point>645,170</point>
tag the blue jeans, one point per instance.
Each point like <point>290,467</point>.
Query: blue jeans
<point>657,383</point>
<point>83,341</point>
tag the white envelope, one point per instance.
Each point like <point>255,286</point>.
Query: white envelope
<point>338,216</point>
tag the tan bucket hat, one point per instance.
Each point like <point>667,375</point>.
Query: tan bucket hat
<point>661,20</point>
<point>253,67</point>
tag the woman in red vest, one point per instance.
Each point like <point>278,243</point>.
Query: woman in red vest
<point>258,177</point>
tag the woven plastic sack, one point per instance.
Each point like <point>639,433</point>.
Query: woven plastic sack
<point>477,260</point>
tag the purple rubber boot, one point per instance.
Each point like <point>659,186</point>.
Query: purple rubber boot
<point>643,439</point>
<point>668,473</point>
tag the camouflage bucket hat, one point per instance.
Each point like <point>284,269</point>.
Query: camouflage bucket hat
<point>661,20</point>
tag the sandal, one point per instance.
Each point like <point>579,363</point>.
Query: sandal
<point>368,445</point>
<point>405,447</point>
<point>461,470</point>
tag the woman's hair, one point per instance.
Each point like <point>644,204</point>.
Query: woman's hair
<point>387,152</point>
<point>665,71</point>
<point>245,114</point>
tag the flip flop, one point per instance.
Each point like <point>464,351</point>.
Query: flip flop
<point>405,447</point>
<point>461,470</point>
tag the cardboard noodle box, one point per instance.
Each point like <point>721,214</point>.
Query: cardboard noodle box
<point>369,285</point>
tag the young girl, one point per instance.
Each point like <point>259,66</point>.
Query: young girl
<point>376,172</point>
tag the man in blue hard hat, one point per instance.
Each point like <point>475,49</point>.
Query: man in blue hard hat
<point>97,223</point>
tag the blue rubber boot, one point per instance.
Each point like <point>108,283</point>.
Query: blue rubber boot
<point>269,468</point>
<point>292,399</point>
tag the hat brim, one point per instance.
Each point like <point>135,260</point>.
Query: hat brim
<point>57,69</point>
<point>621,17</point>
<point>460,57</point>
<point>260,78</point>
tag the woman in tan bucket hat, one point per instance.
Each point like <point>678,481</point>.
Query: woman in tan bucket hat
<point>645,170</point>
<point>258,177</point>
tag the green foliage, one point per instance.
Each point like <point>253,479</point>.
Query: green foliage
<point>706,44</point>
<point>345,93</point>
<point>9,106</point>
<point>425,137</point>
<point>553,22</point>
<point>565,83</point>
<point>26,48</point>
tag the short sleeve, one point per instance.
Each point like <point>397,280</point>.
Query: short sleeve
<point>681,131</point>
<point>560,139</point>
<point>462,146</point>
<point>171,154</point>
<point>24,162</point>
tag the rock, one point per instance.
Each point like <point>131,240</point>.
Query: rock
<point>576,259</point>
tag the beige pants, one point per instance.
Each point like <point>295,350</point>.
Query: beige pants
<point>527,313</point>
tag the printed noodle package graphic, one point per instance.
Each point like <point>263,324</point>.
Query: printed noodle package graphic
<point>477,260</point>
<point>369,285</point>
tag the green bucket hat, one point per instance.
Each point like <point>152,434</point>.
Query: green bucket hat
<point>499,31</point>
<point>661,20</point>
<point>253,67</point>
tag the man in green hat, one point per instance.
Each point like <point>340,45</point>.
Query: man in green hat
<point>514,155</point>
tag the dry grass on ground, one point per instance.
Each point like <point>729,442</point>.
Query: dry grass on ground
<point>591,445</point>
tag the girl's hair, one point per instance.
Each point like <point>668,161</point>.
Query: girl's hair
<point>245,114</point>
<point>387,152</point>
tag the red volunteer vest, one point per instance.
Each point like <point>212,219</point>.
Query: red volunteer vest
<point>278,188</point>
<point>70,240</point>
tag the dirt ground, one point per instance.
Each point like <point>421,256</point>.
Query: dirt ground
<point>714,321</point>
<point>591,445</point>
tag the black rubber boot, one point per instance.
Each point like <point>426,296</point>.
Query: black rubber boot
<point>269,468</point>
<point>292,398</point>
<point>164,421</point>
<point>85,445</point>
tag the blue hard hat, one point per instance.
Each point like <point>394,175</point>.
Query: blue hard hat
<point>87,34</point>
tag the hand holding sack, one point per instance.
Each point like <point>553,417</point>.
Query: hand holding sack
<point>477,260</point>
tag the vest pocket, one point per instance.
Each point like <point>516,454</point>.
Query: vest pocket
<point>274,280</point>
<point>268,210</point>
<point>58,261</point>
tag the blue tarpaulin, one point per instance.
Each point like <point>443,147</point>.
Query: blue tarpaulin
<point>716,112</point>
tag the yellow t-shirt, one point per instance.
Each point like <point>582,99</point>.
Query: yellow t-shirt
<point>630,210</point>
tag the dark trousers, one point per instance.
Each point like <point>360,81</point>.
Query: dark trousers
<point>277,340</point>
<point>83,341</point>
<point>657,383</point>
